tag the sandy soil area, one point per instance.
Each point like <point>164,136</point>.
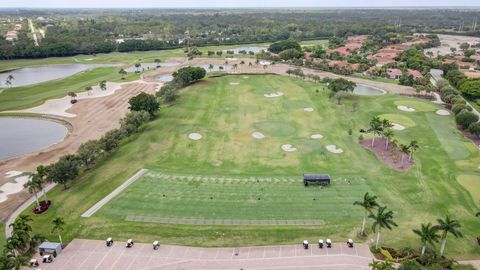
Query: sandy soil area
<point>392,157</point>
<point>451,41</point>
<point>94,117</point>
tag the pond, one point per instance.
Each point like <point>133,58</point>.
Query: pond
<point>364,90</point>
<point>32,75</point>
<point>165,77</point>
<point>147,66</point>
<point>26,135</point>
<point>247,49</point>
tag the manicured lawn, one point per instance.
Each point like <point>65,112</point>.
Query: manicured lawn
<point>377,79</point>
<point>215,177</point>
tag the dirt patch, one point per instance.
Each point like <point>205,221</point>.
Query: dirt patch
<point>474,138</point>
<point>391,156</point>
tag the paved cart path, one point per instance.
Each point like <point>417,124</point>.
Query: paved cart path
<point>93,254</point>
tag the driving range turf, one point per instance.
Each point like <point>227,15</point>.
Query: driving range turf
<point>228,175</point>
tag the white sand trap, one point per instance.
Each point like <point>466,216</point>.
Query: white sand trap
<point>11,188</point>
<point>265,63</point>
<point>195,136</point>
<point>245,77</point>
<point>396,126</point>
<point>234,83</point>
<point>276,94</point>
<point>89,59</point>
<point>308,109</point>
<point>258,135</point>
<point>288,148</point>
<point>333,149</point>
<point>10,174</point>
<point>442,112</point>
<point>405,108</point>
<point>316,136</point>
<point>59,106</point>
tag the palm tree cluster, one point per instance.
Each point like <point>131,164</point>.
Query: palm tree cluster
<point>383,128</point>
<point>37,182</point>
<point>20,245</point>
<point>428,233</point>
<point>383,218</point>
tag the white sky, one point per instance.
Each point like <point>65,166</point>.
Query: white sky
<point>231,3</point>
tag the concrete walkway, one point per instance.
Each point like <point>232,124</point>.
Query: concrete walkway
<point>94,254</point>
<point>114,193</point>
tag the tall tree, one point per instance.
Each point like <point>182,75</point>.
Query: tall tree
<point>405,149</point>
<point>383,219</point>
<point>413,146</point>
<point>58,227</point>
<point>388,134</point>
<point>376,127</point>
<point>33,186</point>
<point>448,226</point>
<point>428,235</point>
<point>369,203</point>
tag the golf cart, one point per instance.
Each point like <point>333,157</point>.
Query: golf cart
<point>47,258</point>
<point>305,244</point>
<point>156,245</point>
<point>109,242</point>
<point>129,243</point>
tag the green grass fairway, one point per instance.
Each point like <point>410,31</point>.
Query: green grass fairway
<point>471,183</point>
<point>214,180</point>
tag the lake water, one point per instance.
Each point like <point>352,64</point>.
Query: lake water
<point>148,66</point>
<point>364,90</point>
<point>32,75</point>
<point>26,135</point>
<point>247,49</point>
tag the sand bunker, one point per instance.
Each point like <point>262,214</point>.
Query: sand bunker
<point>258,135</point>
<point>308,109</point>
<point>10,174</point>
<point>276,94</point>
<point>234,83</point>
<point>288,148</point>
<point>442,112</point>
<point>245,77</point>
<point>59,106</point>
<point>12,187</point>
<point>195,136</point>
<point>316,136</point>
<point>405,108</point>
<point>333,149</point>
<point>396,126</point>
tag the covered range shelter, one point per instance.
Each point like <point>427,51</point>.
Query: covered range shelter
<point>321,179</point>
<point>50,248</point>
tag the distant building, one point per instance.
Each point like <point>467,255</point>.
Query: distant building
<point>394,73</point>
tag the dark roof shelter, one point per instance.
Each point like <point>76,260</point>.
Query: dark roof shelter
<point>321,179</point>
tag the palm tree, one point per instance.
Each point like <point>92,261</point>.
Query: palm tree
<point>210,67</point>
<point>137,65</point>
<point>405,149</point>
<point>413,146</point>
<point>368,204</point>
<point>9,80</point>
<point>42,173</point>
<point>103,85</point>
<point>376,127</point>
<point>88,89</point>
<point>388,134</point>
<point>33,186</point>
<point>383,219</point>
<point>16,262</point>
<point>122,72</point>
<point>58,224</point>
<point>72,95</point>
<point>428,235</point>
<point>448,226</point>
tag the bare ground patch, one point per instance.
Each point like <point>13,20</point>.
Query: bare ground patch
<point>389,155</point>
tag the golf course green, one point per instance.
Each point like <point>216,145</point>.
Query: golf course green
<point>228,177</point>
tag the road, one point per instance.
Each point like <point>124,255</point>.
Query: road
<point>34,35</point>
